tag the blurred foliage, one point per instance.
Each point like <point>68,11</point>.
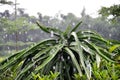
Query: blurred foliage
<point>51,76</point>
<point>27,31</point>
<point>112,11</point>
<point>1,59</point>
<point>6,2</point>
<point>106,71</point>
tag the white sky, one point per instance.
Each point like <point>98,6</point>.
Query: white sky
<point>51,7</point>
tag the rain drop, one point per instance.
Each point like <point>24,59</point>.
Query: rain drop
<point>89,38</point>
<point>25,32</point>
<point>6,35</point>
<point>74,69</point>
<point>8,48</point>
<point>62,58</point>
<point>11,75</point>
<point>29,59</point>
<point>54,67</point>
<point>110,42</point>
<point>89,26</point>
<point>24,22</point>
<point>63,67</point>
<point>68,57</point>
<point>20,32</point>
<point>28,71</point>
<point>30,22</point>
<point>83,42</point>
<point>110,35</point>
<point>52,34</point>
<point>4,29</point>
<point>14,58</point>
<point>41,31</point>
<point>31,39</point>
<point>13,33</point>
<point>82,32</point>
<point>73,24</point>
<point>32,60</point>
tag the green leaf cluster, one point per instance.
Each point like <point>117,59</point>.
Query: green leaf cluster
<point>67,52</point>
<point>51,76</point>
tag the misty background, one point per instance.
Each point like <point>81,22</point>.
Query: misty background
<point>22,29</point>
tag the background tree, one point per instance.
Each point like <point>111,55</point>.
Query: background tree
<point>6,2</point>
<point>112,11</point>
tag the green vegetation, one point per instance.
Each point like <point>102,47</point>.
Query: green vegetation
<point>51,76</point>
<point>113,11</point>
<point>67,52</point>
<point>59,51</point>
<point>27,32</point>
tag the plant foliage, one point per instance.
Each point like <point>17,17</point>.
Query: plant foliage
<point>68,52</point>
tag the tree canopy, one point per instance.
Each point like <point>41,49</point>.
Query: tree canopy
<point>6,2</point>
<point>113,11</point>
